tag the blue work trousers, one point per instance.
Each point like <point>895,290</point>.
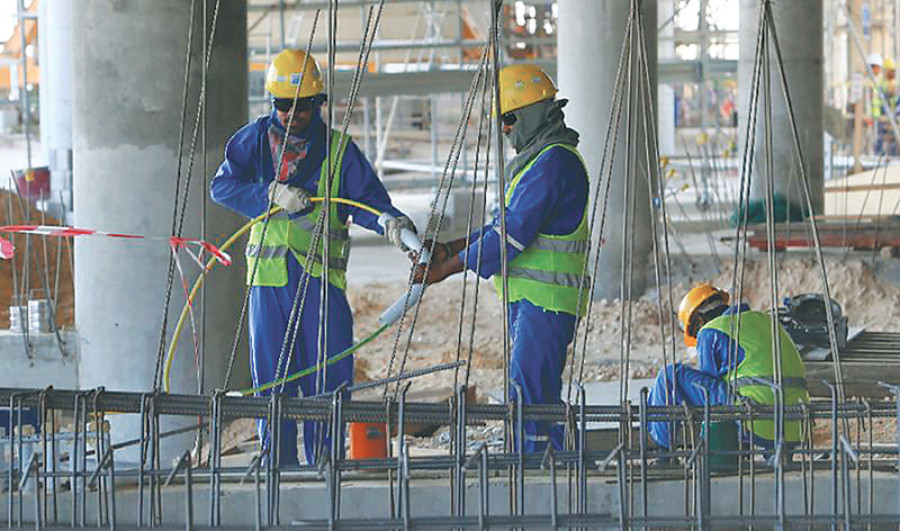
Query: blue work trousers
<point>539,341</point>
<point>681,382</point>
<point>270,309</point>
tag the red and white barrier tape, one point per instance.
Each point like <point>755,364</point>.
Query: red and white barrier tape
<point>7,249</point>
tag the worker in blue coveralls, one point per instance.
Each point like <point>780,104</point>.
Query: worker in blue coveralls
<point>729,374</point>
<point>251,179</point>
<point>546,243</point>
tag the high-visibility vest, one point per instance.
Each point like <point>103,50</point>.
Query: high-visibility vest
<point>548,272</point>
<point>285,235</point>
<point>877,105</point>
<point>750,377</point>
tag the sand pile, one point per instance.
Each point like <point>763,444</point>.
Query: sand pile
<point>867,300</point>
<point>37,259</point>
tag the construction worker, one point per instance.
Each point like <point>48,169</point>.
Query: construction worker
<point>884,103</point>
<point>246,182</point>
<point>730,373</point>
<point>546,242</point>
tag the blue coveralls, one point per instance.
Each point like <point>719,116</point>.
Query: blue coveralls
<point>241,184</point>
<point>714,348</point>
<point>549,199</point>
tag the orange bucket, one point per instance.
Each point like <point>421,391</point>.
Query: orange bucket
<point>368,440</point>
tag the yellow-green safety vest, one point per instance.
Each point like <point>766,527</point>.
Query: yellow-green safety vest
<point>758,368</point>
<point>548,272</point>
<point>285,235</point>
<point>877,104</point>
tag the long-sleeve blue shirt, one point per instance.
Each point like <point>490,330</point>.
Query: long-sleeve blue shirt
<point>715,348</point>
<point>549,199</point>
<point>242,180</point>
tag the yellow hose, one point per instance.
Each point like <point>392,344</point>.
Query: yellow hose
<point>170,354</point>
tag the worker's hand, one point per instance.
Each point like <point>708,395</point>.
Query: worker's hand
<point>291,198</point>
<point>392,229</point>
<point>439,251</point>
<point>868,121</point>
<point>438,270</point>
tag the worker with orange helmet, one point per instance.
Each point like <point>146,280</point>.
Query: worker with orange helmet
<point>546,243</point>
<point>736,364</point>
<point>280,159</point>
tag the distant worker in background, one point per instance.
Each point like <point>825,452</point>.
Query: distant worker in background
<point>730,375</point>
<point>291,141</point>
<point>546,242</point>
<point>874,62</point>
<point>883,102</point>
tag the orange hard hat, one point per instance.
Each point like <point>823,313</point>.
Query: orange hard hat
<point>691,302</point>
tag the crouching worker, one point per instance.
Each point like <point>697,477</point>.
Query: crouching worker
<point>729,374</point>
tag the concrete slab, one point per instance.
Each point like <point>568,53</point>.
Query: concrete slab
<point>367,499</point>
<point>48,364</point>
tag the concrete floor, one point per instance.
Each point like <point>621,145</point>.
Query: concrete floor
<point>366,496</point>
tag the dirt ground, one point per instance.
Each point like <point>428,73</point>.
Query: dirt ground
<point>42,263</point>
<point>868,301</point>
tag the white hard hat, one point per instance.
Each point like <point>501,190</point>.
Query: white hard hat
<point>874,59</point>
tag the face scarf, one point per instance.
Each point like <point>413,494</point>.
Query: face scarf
<point>303,152</point>
<point>537,126</point>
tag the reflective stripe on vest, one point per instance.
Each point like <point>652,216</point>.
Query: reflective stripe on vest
<point>267,264</point>
<point>561,246</point>
<point>266,251</point>
<point>338,234</point>
<point>786,383</point>
<point>548,277</point>
<point>755,374</point>
<point>549,272</point>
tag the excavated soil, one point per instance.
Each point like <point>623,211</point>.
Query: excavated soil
<point>867,300</point>
<point>44,252</point>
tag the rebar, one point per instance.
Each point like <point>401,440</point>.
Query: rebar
<point>596,467</point>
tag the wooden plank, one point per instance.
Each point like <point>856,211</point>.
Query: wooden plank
<point>862,188</point>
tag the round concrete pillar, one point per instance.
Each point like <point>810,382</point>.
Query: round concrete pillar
<point>55,54</point>
<point>129,60</point>
<point>590,39</point>
<point>799,27</point>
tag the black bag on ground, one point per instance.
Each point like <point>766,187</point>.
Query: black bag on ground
<point>805,320</point>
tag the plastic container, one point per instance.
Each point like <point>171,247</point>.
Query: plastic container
<point>34,184</point>
<point>723,437</point>
<point>368,440</point>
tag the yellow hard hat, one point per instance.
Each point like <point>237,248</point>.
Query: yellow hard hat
<point>524,84</point>
<point>691,302</point>
<point>289,68</point>
<point>889,64</point>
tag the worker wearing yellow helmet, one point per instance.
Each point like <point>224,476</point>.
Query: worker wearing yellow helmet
<point>280,159</point>
<point>731,371</point>
<point>546,242</point>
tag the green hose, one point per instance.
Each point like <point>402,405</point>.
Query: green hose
<point>309,370</point>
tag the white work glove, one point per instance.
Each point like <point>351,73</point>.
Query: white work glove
<point>291,198</point>
<point>392,228</point>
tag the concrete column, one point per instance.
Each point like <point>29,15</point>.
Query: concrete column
<point>666,106</point>
<point>55,55</point>
<point>590,36</point>
<point>799,27</point>
<point>129,60</point>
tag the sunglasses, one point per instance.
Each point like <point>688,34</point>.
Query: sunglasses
<point>508,119</point>
<point>299,105</point>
